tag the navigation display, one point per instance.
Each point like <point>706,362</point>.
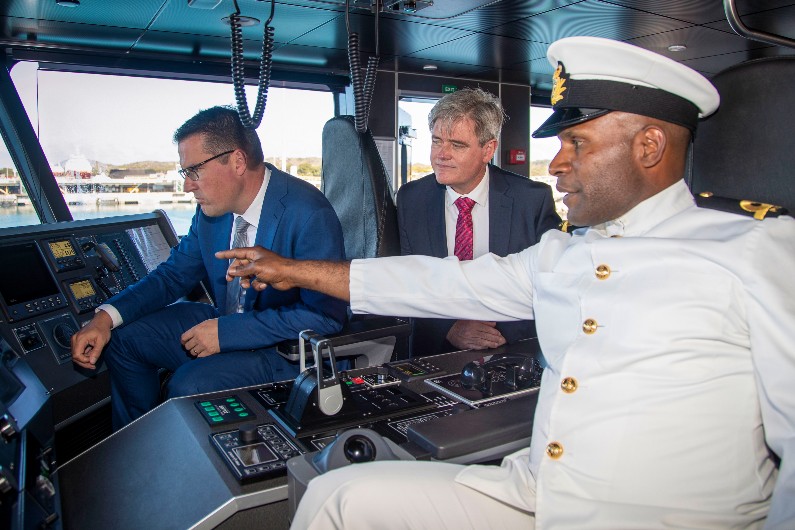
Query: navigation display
<point>62,249</point>
<point>82,289</point>
<point>23,275</point>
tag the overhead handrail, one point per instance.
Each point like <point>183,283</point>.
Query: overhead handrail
<point>744,31</point>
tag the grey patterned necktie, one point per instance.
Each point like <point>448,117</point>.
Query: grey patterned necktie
<point>234,293</point>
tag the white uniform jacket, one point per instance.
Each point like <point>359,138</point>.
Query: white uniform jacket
<point>669,338</point>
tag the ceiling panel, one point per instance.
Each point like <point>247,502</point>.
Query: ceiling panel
<point>38,32</point>
<point>699,11</point>
<point>697,39</point>
<point>505,40</point>
<point>715,64</point>
<point>396,37</point>
<point>591,18</point>
<point>502,12</point>
<point>445,68</point>
<point>289,22</point>
<point>484,50</point>
<point>779,21</point>
<point>136,13</point>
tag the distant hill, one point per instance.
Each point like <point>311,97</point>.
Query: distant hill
<point>143,166</point>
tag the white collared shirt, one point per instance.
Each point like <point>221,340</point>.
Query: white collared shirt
<point>676,323</point>
<point>480,217</point>
<point>252,214</point>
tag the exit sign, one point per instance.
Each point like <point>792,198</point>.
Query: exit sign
<point>449,89</point>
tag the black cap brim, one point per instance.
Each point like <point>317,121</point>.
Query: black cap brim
<point>566,117</point>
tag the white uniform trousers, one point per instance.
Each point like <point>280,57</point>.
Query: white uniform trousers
<point>401,495</point>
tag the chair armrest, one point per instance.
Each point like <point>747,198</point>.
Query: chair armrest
<point>359,328</point>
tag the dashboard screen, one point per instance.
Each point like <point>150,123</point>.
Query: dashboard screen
<point>23,274</point>
<point>62,249</point>
<point>82,289</point>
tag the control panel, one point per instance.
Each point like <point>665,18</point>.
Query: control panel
<point>243,446</point>
<point>53,277</point>
<point>397,401</point>
<point>254,452</point>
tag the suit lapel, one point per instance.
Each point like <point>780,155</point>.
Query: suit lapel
<point>221,236</point>
<point>500,209</point>
<point>437,232</point>
<point>272,211</point>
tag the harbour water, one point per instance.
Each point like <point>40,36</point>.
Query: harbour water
<point>179,214</point>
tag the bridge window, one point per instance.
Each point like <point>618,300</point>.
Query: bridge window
<point>12,192</point>
<point>542,151</point>
<point>414,138</point>
<point>108,138</point>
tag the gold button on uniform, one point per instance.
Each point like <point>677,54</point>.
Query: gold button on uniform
<point>569,385</point>
<point>554,450</point>
<point>589,326</point>
<point>602,272</point>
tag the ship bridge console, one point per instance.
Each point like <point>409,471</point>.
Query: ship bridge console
<point>222,460</point>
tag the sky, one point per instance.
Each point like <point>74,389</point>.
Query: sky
<point>118,120</point>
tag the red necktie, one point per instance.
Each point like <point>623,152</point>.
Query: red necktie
<point>463,228</point>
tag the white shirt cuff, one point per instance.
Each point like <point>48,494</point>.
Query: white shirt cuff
<point>115,316</point>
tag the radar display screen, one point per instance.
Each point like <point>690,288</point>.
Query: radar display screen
<point>62,249</point>
<point>23,275</point>
<point>82,289</point>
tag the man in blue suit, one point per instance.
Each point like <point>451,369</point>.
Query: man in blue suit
<point>508,212</point>
<point>242,201</point>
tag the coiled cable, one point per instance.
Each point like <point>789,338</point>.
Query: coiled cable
<point>363,87</point>
<point>238,69</point>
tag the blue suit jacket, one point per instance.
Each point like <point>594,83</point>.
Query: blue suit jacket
<point>520,211</point>
<point>297,222</point>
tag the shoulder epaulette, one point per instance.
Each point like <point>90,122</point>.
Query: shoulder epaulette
<point>757,210</point>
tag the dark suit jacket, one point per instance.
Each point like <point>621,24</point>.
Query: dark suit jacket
<point>520,211</point>
<point>297,222</point>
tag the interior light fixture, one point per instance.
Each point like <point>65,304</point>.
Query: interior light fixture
<point>429,67</point>
<point>677,48</point>
<point>68,3</point>
<point>244,21</point>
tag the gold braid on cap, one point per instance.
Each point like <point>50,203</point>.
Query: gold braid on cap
<point>558,81</point>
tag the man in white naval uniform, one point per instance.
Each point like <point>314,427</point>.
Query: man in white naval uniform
<point>667,329</point>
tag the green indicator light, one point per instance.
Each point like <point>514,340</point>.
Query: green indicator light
<point>209,409</point>
<point>212,414</point>
<point>229,400</point>
<point>218,419</point>
<point>234,405</point>
<point>205,403</point>
<point>243,414</point>
<point>239,409</point>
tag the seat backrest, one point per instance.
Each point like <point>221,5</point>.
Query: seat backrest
<point>356,183</point>
<point>745,150</point>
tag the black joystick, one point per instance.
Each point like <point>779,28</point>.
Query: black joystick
<point>359,449</point>
<point>247,433</point>
<point>473,375</point>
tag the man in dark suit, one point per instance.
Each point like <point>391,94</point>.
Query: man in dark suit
<point>504,212</point>
<point>242,200</point>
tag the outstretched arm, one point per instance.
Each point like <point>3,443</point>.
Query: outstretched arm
<point>258,268</point>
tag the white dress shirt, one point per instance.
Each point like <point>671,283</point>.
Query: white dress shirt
<point>251,215</point>
<point>675,323</point>
<point>480,217</point>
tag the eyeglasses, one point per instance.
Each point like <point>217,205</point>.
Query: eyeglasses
<point>192,173</point>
